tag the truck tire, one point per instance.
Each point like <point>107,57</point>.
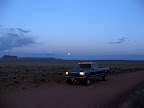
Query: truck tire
<point>104,78</point>
<point>69,81</point>
<point>87,81</point>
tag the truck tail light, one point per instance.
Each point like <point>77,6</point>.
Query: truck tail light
<point>82,74</point>
<point>66,73</point>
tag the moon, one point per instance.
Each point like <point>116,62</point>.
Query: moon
<point>68,53</point>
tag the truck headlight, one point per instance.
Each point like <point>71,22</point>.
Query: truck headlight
<point>66,73</point>
<point>82,73</point>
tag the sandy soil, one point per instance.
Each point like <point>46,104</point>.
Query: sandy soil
<point>98,94</point>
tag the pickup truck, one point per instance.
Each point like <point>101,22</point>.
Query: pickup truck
<point>85,72</point>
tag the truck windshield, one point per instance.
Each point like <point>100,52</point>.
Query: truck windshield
<point>83,66</point>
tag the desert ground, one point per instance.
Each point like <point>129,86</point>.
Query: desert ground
<point>61,95</point>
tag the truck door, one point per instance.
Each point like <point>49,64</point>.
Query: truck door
<point>94,69</point>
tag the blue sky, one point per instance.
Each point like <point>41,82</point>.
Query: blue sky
<point>87,29</point>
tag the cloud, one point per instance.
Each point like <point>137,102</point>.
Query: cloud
<point>12,38</point>
<point>13,30</point>
<point>22,30</point>
<point>119,41</point>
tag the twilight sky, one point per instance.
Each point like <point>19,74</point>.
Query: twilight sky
<point>73,29</point>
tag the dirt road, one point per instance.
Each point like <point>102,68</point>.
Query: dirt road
<point>71,96</point>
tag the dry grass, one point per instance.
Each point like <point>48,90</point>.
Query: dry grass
<point>135,99</point>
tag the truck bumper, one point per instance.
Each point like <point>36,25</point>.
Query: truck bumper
<point>72,78</point>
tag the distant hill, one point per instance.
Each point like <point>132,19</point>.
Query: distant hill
<point>8,57</point>
<point>13,58</point>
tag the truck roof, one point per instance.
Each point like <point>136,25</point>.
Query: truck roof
<point>86,63</point>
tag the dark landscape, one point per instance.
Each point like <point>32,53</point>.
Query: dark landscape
<point>27,81</point>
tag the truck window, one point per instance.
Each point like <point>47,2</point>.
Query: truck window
<point>83,66</point>
<point>95,66</point>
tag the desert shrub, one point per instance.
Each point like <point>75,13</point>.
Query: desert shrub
<point>122,68</point>
<point>135,99</point>
<point>29,73</point>
<point>45,71</point>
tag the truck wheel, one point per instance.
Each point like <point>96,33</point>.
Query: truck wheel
<point>87,81</point>
<point>69,81</point>
<point>104,78</point>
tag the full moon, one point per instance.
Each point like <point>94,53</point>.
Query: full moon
<point>68,53</point>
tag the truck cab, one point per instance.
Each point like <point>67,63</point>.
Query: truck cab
<point>85,72</point>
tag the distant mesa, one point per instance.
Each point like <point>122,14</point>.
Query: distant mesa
<point>8,57</point>
<point>14,58</point>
